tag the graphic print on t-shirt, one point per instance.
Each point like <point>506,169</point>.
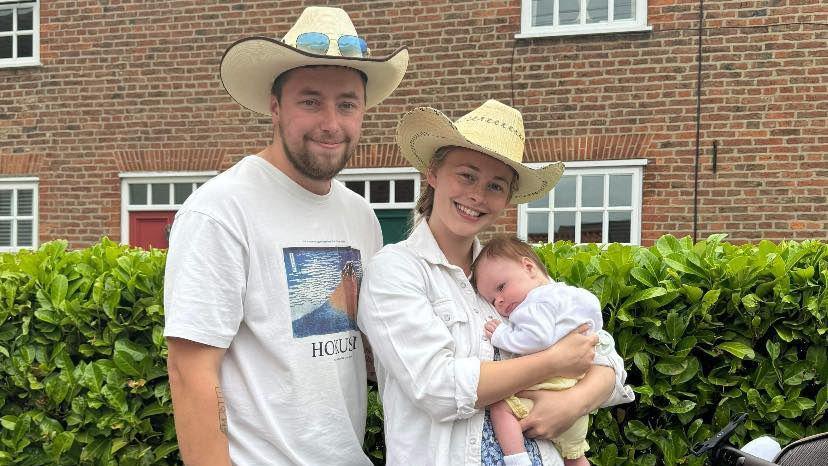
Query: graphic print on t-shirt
<point>323,287</point>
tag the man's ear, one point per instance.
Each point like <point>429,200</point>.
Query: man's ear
<point>274,110</point>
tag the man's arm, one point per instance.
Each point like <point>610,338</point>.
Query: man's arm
<point>198,404</point>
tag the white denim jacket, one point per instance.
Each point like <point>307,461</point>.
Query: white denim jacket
<point>425,322</point>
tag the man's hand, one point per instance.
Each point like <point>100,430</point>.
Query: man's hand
<point>490,327</point>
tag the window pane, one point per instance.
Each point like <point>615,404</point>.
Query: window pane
<point>597,11</point>
<point>403,190</point>
<point>160,193</point>
<point>24,46</point>
<point>182,191</point>
<point>356,186</point>
<point>624,9</point>
<point>540,203</point>
<point>6,47</point>
<point>380,191</point>
<point>24,19</point>
<point>619,227</point>
<point>138,194</point>
<point>537,227</point>
<point>542,11</point>
<point>25,205</point>
<point>569,11</point>
<point>5,202</point>
<point>620,190</point>
<point>6,18</point>
<point>565,192</point>
<point>592,191</point>
<point>5,232</point>
<point>592,226</point>
<point>564,226</point>
<point>24,233</point>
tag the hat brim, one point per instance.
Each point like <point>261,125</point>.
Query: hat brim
<point>422,131</point>
<point>250,65</point>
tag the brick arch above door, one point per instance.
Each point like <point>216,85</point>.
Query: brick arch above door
<point>173,160</point>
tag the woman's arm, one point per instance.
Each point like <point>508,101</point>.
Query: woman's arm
<point>570,357</point>
<point>556,411</point>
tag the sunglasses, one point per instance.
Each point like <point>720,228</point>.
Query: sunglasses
<point>318,43</point>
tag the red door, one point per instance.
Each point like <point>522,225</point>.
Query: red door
<point>150,229</point>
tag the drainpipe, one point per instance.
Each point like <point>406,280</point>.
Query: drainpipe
<point>698,125</point>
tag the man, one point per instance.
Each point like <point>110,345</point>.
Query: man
<point>266,363</point>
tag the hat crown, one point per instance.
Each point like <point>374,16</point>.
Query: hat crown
<point>334,22</point>
<point>496,126</point>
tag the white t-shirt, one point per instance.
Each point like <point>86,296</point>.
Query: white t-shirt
<point>271,271</point>
<point>549,313</point>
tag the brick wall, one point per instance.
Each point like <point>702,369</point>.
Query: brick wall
<point>131,85</point>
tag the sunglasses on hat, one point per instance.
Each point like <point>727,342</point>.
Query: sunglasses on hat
<point>318,43</point>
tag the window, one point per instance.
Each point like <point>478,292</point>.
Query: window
<point>385,188</point>
<point>18,214</point>
<point>594,202</point>
<point>541,18</point>
<point>19,33</point>
<point>156,192</point>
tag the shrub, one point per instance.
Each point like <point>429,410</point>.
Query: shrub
<point>706,330</point>
<point>83,378</point>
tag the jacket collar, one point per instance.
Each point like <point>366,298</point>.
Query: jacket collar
<point>423,244</point>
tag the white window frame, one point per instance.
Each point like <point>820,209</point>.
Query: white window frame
<point>15,184</point>
<point>634,167</point>
<point>131,178</point>
<point>637,24</point>
<point>384,174</point>
<point>34,60</point>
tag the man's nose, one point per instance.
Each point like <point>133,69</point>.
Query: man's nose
<point>329,119</point>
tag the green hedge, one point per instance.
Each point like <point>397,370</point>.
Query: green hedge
<point>706,329</point>
<point>83,377</point>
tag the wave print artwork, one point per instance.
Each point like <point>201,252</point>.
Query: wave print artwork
<point>323,288</point>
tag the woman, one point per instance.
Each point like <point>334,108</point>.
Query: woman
<point>436,371</point>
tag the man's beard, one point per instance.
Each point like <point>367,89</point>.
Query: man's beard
<point>310,166</point>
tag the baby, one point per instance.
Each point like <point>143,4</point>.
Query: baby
<point>539,312</point>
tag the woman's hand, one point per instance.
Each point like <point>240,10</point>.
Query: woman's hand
<point>553,413</point>
<point>573,354</point>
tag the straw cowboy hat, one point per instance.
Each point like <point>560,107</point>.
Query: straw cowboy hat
<point>494,129</point>
<point>250,65</point>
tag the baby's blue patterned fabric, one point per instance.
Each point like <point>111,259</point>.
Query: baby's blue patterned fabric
<point>490,452</point>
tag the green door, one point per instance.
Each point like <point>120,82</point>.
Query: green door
<point>394,224</point>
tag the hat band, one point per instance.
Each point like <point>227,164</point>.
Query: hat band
<point>319,43</point>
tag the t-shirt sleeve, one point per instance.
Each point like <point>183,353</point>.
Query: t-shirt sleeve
<point>205,281</point>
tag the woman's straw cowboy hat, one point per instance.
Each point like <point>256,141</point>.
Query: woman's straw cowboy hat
<point>494,129</point>
<point>250,65</point>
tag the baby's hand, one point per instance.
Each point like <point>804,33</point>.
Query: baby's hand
<point>490,328</point>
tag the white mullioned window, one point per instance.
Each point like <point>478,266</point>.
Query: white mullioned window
<point>18,214</point>
<point>594,202</point>
<point>384,188</point>
<point>19,33</point>
<point>156,191</point>
<point>541,18</point>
